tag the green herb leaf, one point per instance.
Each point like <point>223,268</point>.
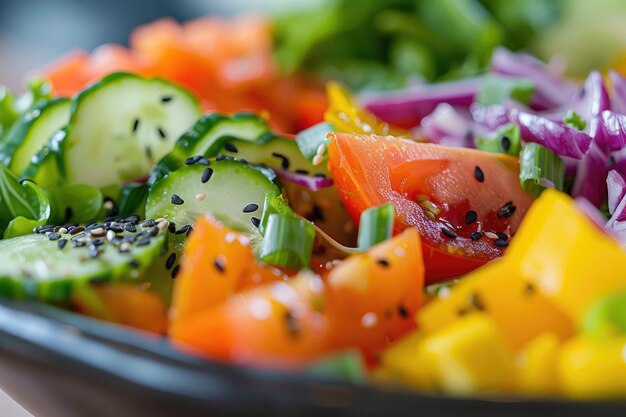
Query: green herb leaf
<point>540,169</point>
<point>375,226</point>
<point>573,120</point>
<point>75,203</point>
<point>133,199</point>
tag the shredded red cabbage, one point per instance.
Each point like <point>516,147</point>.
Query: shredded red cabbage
<point>313,183</point>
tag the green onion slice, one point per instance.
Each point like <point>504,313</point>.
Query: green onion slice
<point>540,169</point>
<point>287,241</point>
<point>310,140</point>
<point>506,140</point>
<point>375,226</point>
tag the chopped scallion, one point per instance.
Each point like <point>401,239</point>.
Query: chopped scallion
<point>540,169</point>
<point>376,225</point>
<point>287,241</point>
<point>310,140</point>
<point>504,140</point>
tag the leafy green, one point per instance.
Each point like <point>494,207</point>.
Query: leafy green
<point>23,205</point>
<point>77,203</point>
<point>13,107</point>
<point>573,120</point>
<point>385,44</point>
<point>506,139</point>
<point>133,199</point>
<point>606,317</point>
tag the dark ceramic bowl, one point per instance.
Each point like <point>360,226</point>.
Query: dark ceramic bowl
<point>58,364</point>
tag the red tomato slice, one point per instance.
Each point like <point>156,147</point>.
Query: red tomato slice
<point>433,188</point>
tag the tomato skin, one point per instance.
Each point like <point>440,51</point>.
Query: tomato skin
<point>365,302</point>
<point>372,170</point>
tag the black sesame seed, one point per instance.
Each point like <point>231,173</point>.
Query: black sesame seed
<point>172,227</point>
<point>403,312</point>
<point>291,322</point>
<point>193,159</point>
<point>302,172</point>
<point>133,218</point>
<point>166,99</point>
<point>219,265</point>
<point>169,262</point>
<point>183,230</point>
<point>284,160</point>
<point>76,230</point>
<point>383,262</point>
<point>501,243</point>
<point>129,227</point>
<point>135,125</point>
<point>250,208</point>
<point>118,229</point>
<point>152,232</point>
<point>220,157</point>
<point>54,236</point>
<point>134,263</point>
<point>204,161</point>
<point>189,231</point>
<point>230,147</point>
<point>507,210</point>
<point>470,217</point>
<point>529,289</point>
<point>148,223</point>
<point>143,241</point>
<point>129,238</point>
<point>61,243</point>
<point>476,235</point>
<point>161,132</point>
<point>255,221</point>
<point>475,300</point>
<point>97,242</point>
<point>506,143</point>
<point>315,214</point>
<point>148,152</point>
<point>78,243</point>
<point>448,233</point>
<point>320,175</point>
<point>502,236</point>
<point>176,200</point>
<point>206,175</point>
<point>175,271</point>
<point>479,174</point>
<point>244,161</point>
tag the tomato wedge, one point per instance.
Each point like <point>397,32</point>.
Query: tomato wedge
<point>449,194</point>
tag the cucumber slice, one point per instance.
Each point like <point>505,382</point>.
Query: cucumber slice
<point>35,266</point>
<point>32,132</point>
<point>121,126</point>
<point>233,193</point>
<point>273,151</point>
<point>204,134</point>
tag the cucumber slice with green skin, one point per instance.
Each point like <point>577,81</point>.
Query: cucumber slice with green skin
<point>229,190</point>
<point>204,134</point>
<point>36,266</point>
<point>273,151</point>
<point>120,126</point>
<point>32,132</point>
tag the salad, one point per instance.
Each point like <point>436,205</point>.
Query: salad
<point>463,237</point>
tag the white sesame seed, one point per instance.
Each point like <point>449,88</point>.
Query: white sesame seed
<point>200,196</point>
<point>108,205</point>
<point>321,149</point>
<point>160,219</point>
<point>98,231</point>
<point>369,320</point>
<point>125,247</point>
<point>318,159</point>
<point>110,235</point>
<point>491,235</point>
<point>162,225</point>
<point>63,230</point>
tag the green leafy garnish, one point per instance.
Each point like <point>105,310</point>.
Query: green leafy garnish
<point>76,203</point>
<point>496,89</point>
<point>23,205</point>
<point>573,120</point>
<point>506,140</point>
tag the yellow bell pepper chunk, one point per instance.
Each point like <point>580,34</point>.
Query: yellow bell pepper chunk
<point>404,362</point>
<point>566,256</point>
<point>498,290</point>
<point>346,116</point>
<point>593,368</point>
<point>536,365</point>
<point>470,356</point>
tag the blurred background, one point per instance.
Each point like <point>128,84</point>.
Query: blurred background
<point>370,42</point>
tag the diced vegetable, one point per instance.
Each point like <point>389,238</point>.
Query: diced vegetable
<point>540,169</point>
